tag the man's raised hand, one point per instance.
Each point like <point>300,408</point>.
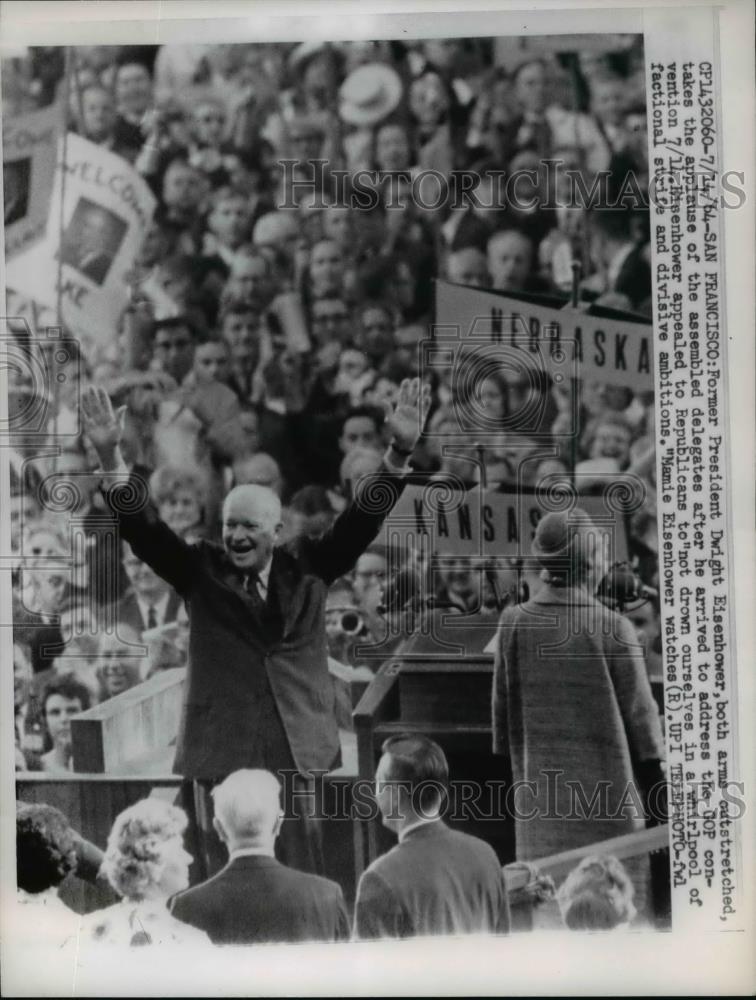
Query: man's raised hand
<point>102,424</point>
<point>407,419</point>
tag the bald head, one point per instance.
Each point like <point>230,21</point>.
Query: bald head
<point>251,526</point>
<point>248,809</point>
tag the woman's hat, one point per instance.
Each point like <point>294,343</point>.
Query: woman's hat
<point>563,539</point>
<point>369,94</point>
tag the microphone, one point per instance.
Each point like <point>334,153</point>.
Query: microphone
<point>403,589</point>
<point>621,586</point>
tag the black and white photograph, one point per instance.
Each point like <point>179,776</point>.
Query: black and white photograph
<point>92,240</point>
<point>371,580</point>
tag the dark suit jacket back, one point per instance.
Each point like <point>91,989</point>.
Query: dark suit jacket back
<point>437,881</point>
<point>256,899</point>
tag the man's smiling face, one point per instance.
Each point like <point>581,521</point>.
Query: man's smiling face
<point>251,526</point>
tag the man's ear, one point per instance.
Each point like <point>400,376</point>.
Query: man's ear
<point>218,827</point>
<point>277,825</point>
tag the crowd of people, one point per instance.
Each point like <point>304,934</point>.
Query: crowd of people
<point>272,316</point>
<point>435,881</point>
<point>276,309</point>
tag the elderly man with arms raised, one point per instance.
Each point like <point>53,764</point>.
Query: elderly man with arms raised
<point>258,693</point>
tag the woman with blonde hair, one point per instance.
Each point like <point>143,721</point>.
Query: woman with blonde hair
<point>145,862</point>
<point>597,896</point>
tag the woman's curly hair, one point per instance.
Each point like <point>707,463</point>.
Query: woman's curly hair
<point>45,847</point>
<point>134,857</point>
<point>597,895</point>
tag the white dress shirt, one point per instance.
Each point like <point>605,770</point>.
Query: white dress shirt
<point>160,607</point>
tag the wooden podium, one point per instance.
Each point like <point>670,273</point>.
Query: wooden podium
<point>447,698</point>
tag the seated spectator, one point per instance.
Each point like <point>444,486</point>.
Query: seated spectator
<point>212,363</point>
<point>261,469</point>
<point>376,331</point>
<point>119,667</point>
<point>468,266</point>
<point>370,578</point>
<point>361,429</point>
<point>609,451</point>
<point>597,896</point>
<point>240,328</point>
<point>45,854</point>
<point>511,261</point>
<point>255,898</point>
<point>310,512</point>
<point>460,585</point>
<point>181,194</point>
<point>354,374</point>
<point>145,863</point>
<point>133,97</point>
<point>61,701</point>
<point>179,495</point>
<point>174,344</point>
<point>621,261</point>
<point>329,320</point>
<point>405,358</point>
<point>207,147</point>
<point>251,278</point>
<point>98,122</point>
<point>149,602</point>
<point>326,270</point>
<point>227,226</point>
<point>358,462</point>
<point>435,880</point>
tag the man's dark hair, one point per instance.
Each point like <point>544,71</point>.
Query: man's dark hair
<point>175,323</point>
<point>364,411</point>
<point>45,847</point>
<point>421,764</point>
<point>67,687</point>
<point>232,305</point>
<point>377,304</point>
<point>311,500</point>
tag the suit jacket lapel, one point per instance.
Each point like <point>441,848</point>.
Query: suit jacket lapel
<point>286,579</point>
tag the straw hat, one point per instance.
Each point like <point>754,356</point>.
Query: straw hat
<point>369,94</point>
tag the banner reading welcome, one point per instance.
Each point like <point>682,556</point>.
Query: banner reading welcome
<point>107,208</point>
<point>565,342</point>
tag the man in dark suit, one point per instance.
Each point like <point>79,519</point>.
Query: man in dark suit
<point>620,256</point>
<point>149,602</point>
<point>436,880</point>
<point>255,898</point>
<point>258,692</point>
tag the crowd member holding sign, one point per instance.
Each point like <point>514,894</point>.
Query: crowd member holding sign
<point>250,327</point>
<point>257,692</point>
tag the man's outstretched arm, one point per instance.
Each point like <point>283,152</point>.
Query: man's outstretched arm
<point>127,497</point>
<point>336,551</point>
